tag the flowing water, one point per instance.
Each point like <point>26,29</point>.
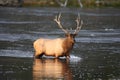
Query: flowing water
<point>95,55</point>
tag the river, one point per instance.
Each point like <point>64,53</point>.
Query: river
<point>95,56</point>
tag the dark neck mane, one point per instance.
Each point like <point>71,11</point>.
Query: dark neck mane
<point>67,45</point>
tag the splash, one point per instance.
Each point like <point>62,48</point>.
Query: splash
<point>74,58</point>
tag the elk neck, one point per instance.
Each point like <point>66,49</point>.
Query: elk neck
<point>68,42</point>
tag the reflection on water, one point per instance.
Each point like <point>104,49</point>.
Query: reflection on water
<point>51,69</point>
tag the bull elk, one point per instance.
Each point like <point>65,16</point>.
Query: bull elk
<point>58,47</point>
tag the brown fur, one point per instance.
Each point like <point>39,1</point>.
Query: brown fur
<point>68,44</point>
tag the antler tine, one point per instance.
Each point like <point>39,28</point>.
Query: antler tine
<point>59,16</point>
<point>62,4</point>
<point>78,21</point>
<point>57,20</point>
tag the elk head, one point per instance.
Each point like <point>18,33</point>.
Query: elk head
<point>70,36</point>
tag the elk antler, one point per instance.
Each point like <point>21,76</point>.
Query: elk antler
<point>61,4</point>
<point>81,5</point>
<point>78,21</point>
<point>57,20</point>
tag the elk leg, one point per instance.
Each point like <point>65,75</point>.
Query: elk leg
<point>67,56</point>
<point>40,56</point>
<point>37,55</point>
<point>56,56</point>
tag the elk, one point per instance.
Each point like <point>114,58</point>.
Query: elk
<point>58,47</point>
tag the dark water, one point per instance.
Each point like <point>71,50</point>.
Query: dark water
<point>95,55</point>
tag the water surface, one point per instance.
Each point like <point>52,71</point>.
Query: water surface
<point>95,55</point>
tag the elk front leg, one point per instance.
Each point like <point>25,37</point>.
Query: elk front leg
<point>56,56</point>
<point>67,56</point>
<point>36,55</point>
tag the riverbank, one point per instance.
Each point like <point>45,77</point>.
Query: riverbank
<point>55,3</point>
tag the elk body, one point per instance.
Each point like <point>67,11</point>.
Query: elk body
<point>58,47</point>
